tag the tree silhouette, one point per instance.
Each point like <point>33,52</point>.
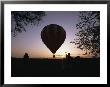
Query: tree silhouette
<point>88,35</point>
<point>20,19</point>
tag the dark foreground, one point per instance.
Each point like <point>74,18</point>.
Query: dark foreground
<point>55,67</point>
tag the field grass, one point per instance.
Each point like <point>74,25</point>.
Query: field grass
<point>83,67</point>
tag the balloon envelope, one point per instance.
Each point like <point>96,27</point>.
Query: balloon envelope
<point>53,36</point>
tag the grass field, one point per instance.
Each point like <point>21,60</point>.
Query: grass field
<point>83,67</point>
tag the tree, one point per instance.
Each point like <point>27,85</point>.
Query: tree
<point>20,19</point>
<point>88,35</point>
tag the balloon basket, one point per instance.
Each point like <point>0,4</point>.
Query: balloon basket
<point>53,55</point>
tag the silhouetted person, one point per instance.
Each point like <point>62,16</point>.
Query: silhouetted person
<point>26,58</point>
<point>68,56</point>
<point>68,61</point>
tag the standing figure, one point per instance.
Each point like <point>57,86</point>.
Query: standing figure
<point>26,58</point>
<point>68,61</point>
<point>26,55</point>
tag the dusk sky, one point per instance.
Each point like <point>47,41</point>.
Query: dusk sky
<point>31,42</point>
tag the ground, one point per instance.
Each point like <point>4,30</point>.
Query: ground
<point>80,67</point>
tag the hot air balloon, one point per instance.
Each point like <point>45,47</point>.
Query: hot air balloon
<point>53,37</point>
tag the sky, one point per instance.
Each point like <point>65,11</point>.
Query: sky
<point>31,42</point>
